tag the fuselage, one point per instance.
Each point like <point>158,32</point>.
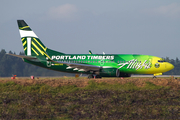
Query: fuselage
<point>125,63</point>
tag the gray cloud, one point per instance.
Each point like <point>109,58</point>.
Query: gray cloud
<point>63,12</point>
<point>171,10</point>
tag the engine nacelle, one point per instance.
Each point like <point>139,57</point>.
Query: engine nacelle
<point>121,74</point>
<point>112,72</point>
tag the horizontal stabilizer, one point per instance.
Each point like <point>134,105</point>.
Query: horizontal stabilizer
<point>22,56</point>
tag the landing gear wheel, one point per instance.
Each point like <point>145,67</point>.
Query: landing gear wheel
<point>94,76</point>
<point>90,76</point>
<point>98,76</point>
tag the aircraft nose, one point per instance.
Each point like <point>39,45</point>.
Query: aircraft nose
<point>169,66</point>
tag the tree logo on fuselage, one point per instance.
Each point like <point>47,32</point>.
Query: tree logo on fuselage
<point>157,65</point>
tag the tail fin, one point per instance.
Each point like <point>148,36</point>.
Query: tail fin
<point>90,52</point>
<point>31,43</point>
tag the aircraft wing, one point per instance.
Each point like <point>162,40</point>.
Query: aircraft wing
<point>80,67</point>
<point>74,66</point>
<point>22,56</point>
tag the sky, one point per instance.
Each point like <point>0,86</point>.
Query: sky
<point>150,27</point>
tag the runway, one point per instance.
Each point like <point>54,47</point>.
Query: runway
<point>133,76</point>
<point>156,76</point>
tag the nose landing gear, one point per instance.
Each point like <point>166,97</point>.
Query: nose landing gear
<point>154,77</point>
<point>94,76</point>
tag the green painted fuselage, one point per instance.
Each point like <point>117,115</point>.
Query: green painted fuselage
<point>109,63</point>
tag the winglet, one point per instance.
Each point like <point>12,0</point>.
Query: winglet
<point>90,52</point>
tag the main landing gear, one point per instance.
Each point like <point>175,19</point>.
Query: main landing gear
<point>94,76</point>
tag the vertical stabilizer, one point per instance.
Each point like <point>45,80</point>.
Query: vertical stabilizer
<point>31,43</point>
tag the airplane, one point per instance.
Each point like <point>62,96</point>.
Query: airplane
<point>95,65</point>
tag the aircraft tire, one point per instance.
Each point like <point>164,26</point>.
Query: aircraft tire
<point>90,76</point>
<point>98,76</point>
<point>118,74</point>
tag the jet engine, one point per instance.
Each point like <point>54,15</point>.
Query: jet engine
<point>112,72</point>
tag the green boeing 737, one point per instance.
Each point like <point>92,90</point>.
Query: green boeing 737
<point>95,65</point>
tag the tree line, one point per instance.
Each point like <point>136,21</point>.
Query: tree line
<point>10,65</point>
<point>176,63</point>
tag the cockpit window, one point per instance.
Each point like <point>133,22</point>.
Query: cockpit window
<point>161,61</point>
